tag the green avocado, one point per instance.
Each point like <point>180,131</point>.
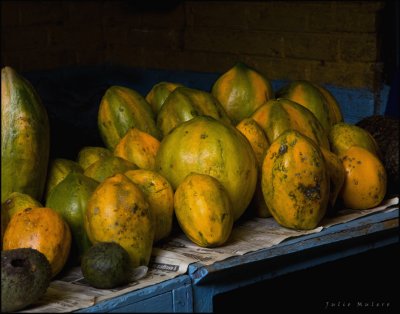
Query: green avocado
<point>25,277</point>
<point>106,265</point>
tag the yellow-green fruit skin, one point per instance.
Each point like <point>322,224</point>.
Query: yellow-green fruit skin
<point>365,179</point>
<point>120,109</point>
<point>295,181</point>
<point>59,168</point>
<point>309,96</point>
<point>279,115</point>
<point>186,103</point>
<point>203,210</point>
<point>69,198</point>
<point>241,90</point>
<point>159,93</point>
<point>25,137</point>
<point>88,155</point>
<point>118,212</point>
<point>344,135</point>
<point>160,196</point>
<point>208,146</point>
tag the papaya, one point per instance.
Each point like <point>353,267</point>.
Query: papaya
<point>69,198</point>
<point>159,93</point>
<point>108,166</point>
<point>25,137</point>
<point>309,96</point>
<point>334,109</point>
<point>279,115</point>
<point>43,229</point>
<point>259,142</point>
<point>118,212</point>
<point>207,146</point>
<point>59,168</point>
<point>365,179</point>
<point>90,154</point>
<point>160,196</point>
<point>344,135</point>
<point>186,103</point>
<point>17,202</point>
<point>122,108</point>
<point>203,210</point>
<point>139,148</point>
<point>241,90</point>
<point>295,181</point>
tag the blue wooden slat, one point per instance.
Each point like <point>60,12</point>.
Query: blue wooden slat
<point>141,295</point>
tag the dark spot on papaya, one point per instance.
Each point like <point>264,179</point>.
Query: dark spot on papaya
<point>203,136</point>
<point>283,149</point>
<point>134,208</point>
<point>95,210</point>
<point>310,192</point>
<point>223,217</point>
<point>8,201</point>
<point>355,182</point>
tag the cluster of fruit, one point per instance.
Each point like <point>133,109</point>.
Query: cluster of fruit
<point>202,158</point>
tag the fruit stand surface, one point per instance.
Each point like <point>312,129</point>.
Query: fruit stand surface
<point>183,277</point>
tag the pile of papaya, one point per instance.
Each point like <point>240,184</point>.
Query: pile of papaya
<point>199,158</point>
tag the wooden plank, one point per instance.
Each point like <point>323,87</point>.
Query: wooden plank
<point>140,296</point>
<point>338,232</point>
<point>340,241</point>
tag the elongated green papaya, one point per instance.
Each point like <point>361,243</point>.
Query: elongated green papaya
<point>25,137</point>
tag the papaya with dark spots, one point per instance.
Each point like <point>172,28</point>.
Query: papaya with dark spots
<point>295,181</point>
<point>365,179</point>
<point>203,210</point>
<point>118,211</point>
<point>279,115</point>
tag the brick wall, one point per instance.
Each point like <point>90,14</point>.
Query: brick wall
<point>330,42</point>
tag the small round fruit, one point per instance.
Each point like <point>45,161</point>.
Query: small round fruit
<point>25,277</point>
<point>106,265</point>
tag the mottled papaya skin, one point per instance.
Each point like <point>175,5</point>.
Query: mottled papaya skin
<point>241,90</point>
<point>295,181</point>
<point>25,137</point>
<point>335,111</point>
<point>139,148</point>
<point>160,195</point>
<point>203,210</point>
<point>206,145</point>
<point>365,179</point>
<point>344,135</point>
<point>59,168</point>
<point>43,229</point>
<point>186,103</point>
<point>159,93</point>
<point>307,95</point>
<point>336,175</point>
<point>118,212</point>
<point>279,115</point>
<point>108,166</point>
<point>69,198</point>
<point>120,109</point>
<point>88,155</point>
<point>259,142</point>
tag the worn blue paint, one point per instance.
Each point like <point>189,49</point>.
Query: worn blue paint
<point>174,295</point>
<point>293,255</point>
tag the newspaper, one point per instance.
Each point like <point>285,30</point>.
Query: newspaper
<point>173,257</point>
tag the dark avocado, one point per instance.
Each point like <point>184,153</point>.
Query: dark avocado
<point>106,265</point>
<point>25,277</point>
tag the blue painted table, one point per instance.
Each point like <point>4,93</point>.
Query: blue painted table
<point>194,291</point>
<point>334,243</point>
